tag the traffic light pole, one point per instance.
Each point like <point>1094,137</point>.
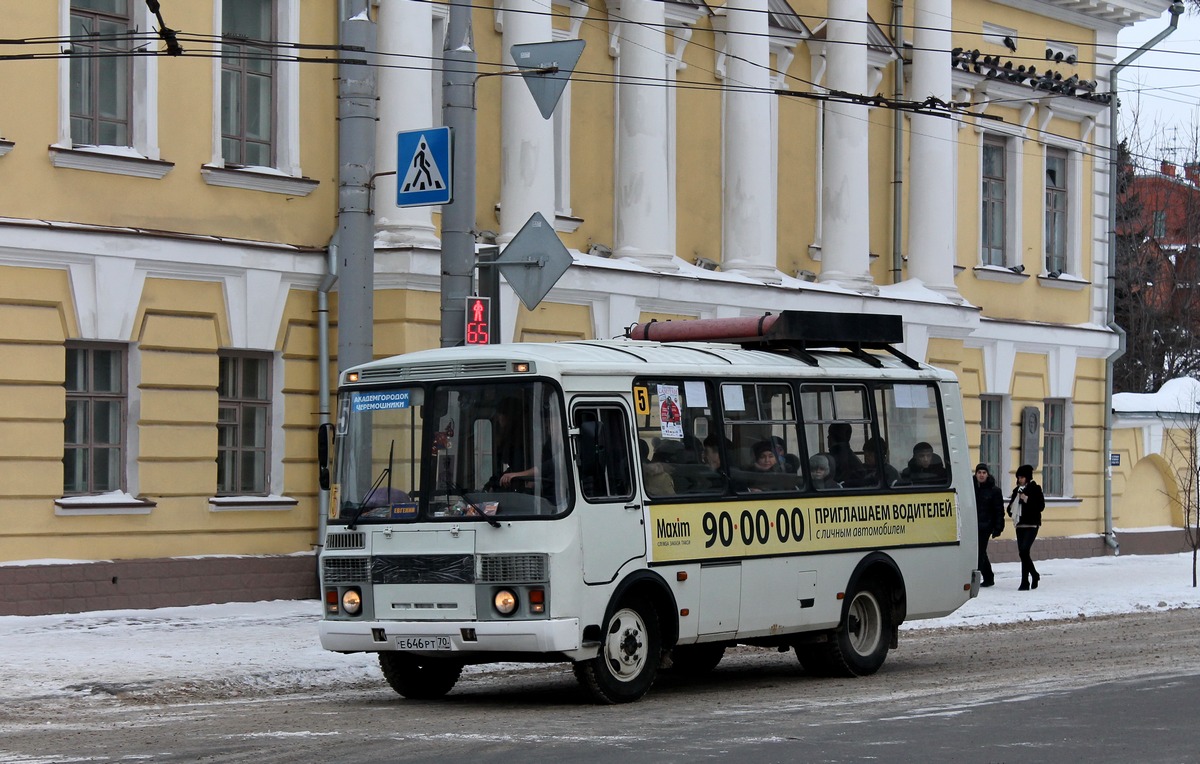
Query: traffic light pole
<point>458,217</point>
<point>356,163</point>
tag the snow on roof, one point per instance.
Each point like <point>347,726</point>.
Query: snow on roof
<point>1176,396</point>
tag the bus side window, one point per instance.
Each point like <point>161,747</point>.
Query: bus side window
<point>837,427</point>
<point>911,421</point>
<point>674,418</point>
<point>602,454</point>
<point>760,418</point>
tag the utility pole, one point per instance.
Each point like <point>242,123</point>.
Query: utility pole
<point>356,164</point>
<point>1176,10</point>
<point>458,217</point>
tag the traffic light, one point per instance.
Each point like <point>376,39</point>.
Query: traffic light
<point>479,321</point>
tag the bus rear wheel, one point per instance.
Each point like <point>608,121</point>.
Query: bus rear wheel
<point>859,645</point>
<point>630,651</point>
<point>419,678</point>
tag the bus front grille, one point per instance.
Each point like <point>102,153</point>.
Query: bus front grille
<point>346,570</point>
<point>346,540</point>
<point>512,568</point>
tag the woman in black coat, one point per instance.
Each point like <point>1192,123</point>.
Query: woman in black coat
<point>989,504</point>
<point>1025,508</point>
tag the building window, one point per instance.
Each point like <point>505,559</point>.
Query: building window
<point>1054,430</point>
<point>247,83</point>
<point>243,424</point>
<point>1056,211</point>
<point>995,202</point>
<point>1160,224</point>
<point>562,153</point>
<point>991,433</point>
<point>94,442</point>
<point>100,72</point>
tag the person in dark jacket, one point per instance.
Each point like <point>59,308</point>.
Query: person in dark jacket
<point>989,505</point>
<point>925,467</point>
<point>1025,507</point>
<point>847,467</point>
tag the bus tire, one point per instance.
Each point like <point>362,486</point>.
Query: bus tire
<point>419,678</point>
<point>859,645</point>
<point>696,660</point>
<point>630,651</point>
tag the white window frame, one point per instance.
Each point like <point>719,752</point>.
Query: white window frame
<point>564,221</point>
<point>1001,432</point>
<point>240,402</point>
<point>141,158</point>
<point>275,500</point>
<point>126,500</point>
<point>1012,200</point>
<point>285,177</point>
<point>1065,189</point>
<point>1068,487</point>
<point>440,18</point>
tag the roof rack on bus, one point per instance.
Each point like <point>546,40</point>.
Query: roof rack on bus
<point>794,332</point>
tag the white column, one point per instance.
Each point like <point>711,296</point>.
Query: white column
<point>526,139</point>
<point>748,232</point>
<point>931,196</point>
<point>845,213</point>
<point>405,103</point>
<point>641,229</point>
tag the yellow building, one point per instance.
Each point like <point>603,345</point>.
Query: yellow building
<point>167,219</point>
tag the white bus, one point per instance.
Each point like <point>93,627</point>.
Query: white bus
<point>637,505</point>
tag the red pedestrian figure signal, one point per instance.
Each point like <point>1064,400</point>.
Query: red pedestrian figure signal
<point>479,318</point>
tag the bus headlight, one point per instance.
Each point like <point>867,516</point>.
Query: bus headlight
<point>505,602</point>
<point>351,601</point>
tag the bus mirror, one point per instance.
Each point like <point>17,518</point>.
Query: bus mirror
<point>323,435</point>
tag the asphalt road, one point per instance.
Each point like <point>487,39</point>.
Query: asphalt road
<point>1113,689</point>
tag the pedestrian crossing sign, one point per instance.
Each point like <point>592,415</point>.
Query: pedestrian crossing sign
<point>423,174</point>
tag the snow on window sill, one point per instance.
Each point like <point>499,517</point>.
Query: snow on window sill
<point>112,503</point>
<point>566,223</point>
<point>1065,281</point>
<point>270,503</point>
<point>118,160</point>
<point>999,273</point>
<point>258,179</point>
<point>1063,501</point>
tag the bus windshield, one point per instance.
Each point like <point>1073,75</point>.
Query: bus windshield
<point>450,451</point>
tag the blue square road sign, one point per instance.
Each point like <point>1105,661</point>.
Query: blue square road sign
<point>423,171</point>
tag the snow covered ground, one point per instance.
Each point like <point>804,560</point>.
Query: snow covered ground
<point>242,647</point>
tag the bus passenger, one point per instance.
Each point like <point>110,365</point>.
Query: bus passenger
<point>925,467</point>
<point>654,474</point>
<point>820,466</point>
<point>765,458</point>
<point>712,453</point>
<point>891,475</point>
<point>846,464</point>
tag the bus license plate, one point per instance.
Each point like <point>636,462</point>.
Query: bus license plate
<point>422,643</point>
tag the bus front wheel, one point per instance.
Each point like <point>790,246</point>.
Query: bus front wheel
<point>859,645</point>
<point>630,650</point>
<point>419,678</point>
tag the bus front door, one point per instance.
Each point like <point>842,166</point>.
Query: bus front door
<point>612,524</point>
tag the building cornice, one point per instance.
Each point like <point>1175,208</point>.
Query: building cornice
<point>1106,13</point>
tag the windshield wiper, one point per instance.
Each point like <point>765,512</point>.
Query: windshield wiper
<point>386,473</point>
<point>474,507</point>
